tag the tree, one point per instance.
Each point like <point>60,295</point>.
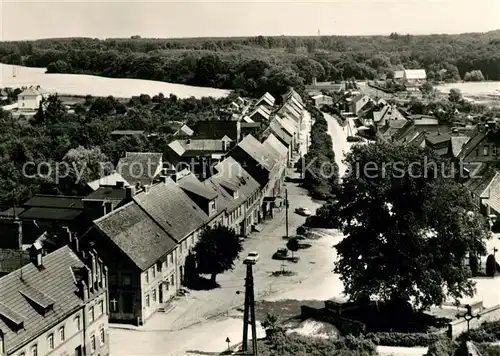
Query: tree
<point>407,226</point>
<point>455,95</point>
<point>426,88</point>
<point>293,245</point>
<point>217,250</point>
<point>474,76</point>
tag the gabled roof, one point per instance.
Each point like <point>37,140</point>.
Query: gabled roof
<point>277,150</point>
<point>257,151</point>
<point>136,234</point>
<point>172,209</point>
<point>181,147</point>
<point>55,283</point>
<point>472,143</point>
<point>39,213</point>
<point>266,99</point>
<point>140,167</point>
<point>191,184</point>
<point>292,93</point>
<point>107,193</point>
<point>479,184</point>
<point>457,142</point>
<point>415,74</point>
<point>30,92</point>
<point>295,103</point>
<point>289,109</point>
<point>278,129</point>
<point>289,125</point>
<point>185,130</point>
<point>399,74</point>
<point>260,110</point>
<point>109,180</point>
<point>493,193</point>
<point>231,175</point>
<point>246,119</point>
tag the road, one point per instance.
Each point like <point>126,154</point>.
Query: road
<point>339,139</point>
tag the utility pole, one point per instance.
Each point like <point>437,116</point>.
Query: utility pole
<point>286,210</point>
<point>249,312</point>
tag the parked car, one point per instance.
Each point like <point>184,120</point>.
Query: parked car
<point>252,257</point>
<point>280,254</point>
<point>303,211</point>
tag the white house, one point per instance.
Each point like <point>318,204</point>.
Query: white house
<point>321,99</point>
<point>414,75</point>
<point>29,99</point>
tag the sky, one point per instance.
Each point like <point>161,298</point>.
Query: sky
<point>25,20</point>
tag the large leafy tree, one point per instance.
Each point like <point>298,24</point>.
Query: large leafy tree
<point>408,227</point>
<point>217,250</point>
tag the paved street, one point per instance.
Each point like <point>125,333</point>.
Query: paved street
<point>340,144</point>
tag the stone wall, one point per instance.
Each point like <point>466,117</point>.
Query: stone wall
<point>457,327</point>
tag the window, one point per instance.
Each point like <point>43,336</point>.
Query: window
<point>485,150</point>
<point>154,295</point>
<point>127,280</point>
<point>92,343</point>
<point>147,300</point>
<point>192,239</point>
<point>171,258</point>
<point>212,205</point>
<point>50,341</point>
<point>172,281</point>
<point>495,150</point>
<point>91,314</point>
<point>146,276</point>
<point>159,266</point>
<point>62,335</point>
<point>77,323</point>
<point>154,271</point>
<point>34,350</point>
<point>101,307</point>
<point>180,247</point>
<point>102,336</point>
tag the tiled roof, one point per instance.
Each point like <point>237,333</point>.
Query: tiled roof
<point>277,150</point>
<point>181,147</point>
<point>11,259</point>
<point>289,125</point>
<point>230,175</point>
<point>479,184</point>
<point>457,142</point>
<point>278,129</point>
<point>172,209</point>
<point>11,213</point>
<point>435,138</point>
<point>30,92</point>
<point>292,93</point>
<point>493,193</point>
<point>137,235</point>
<point>38,213</point>
<point>185,130</point>
<point>191,184</point>
<point>260,110</point>
<point>267,98</point>
<point>55,281</point>
<point>107,181</point>
<point>55,201</point>
<point>139,167</point>
<point>257,151</point>
<point>472,143</point>
<point>110,180</point>
<point>107,193</point>
<point>295,104</point>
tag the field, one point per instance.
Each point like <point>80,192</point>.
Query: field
<point>77,84</point>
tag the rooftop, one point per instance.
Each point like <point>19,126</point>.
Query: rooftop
<point>109,180</point>
<point>140,167</point>
<point>182,147</point>
<point>20,320</point>
<point>137,235</point>
<point>55,201</point>
<point>191,184</point>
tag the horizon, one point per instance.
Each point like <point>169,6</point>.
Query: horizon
<point>201,19</point>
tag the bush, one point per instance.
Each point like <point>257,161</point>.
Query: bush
<point>354,139</point>
<point>487,332</point>
<point>491,266</point>
<point>444,347</point>
<point>404,339</point>
<point>301,230</point>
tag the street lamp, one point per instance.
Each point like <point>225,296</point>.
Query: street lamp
<point>468,316</point>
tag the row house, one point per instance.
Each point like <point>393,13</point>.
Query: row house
<point>56,304</point>
<point>285,133</point>
<point>198,155</point>
<point>239,193</point>
<point>261,113</point>
<point>267,100</point>
<point>147,244</point>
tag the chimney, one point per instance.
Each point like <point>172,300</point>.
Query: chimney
<point>108,207</point>
<point>36,254</point>
<point>89,279</point>
<point>120,184</point>
<point>84,290</point>
<point>146,189</point>
<point>130,192</point>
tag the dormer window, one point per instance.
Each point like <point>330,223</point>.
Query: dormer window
<point>235,195</point>
<point>485,151</point>
<point>212,206</point>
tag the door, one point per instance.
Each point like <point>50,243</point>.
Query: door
<point>78,351</point>
<point>160,293</point>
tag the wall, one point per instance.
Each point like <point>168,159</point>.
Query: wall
<point>94,326</point>
<point>29,102</point>
<point>457,327</point>
<point>73,338</point>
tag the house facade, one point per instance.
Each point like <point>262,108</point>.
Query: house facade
<point>30,99</point>
<point>59,307</point>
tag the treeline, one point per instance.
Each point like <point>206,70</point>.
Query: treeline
<point>259,64</point>
<point>83,138</point>
<point>320,171</point>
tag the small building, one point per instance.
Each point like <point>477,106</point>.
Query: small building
<point>399,75</point>
<point>260,114</point>
<point>358,103</point>
<point>56,304</point>
<point>320,100</point>
<point>30,99</point>
<point>414,76</point>
<point>184,131</point>
<point>109,180</point>
<point>266,100</point>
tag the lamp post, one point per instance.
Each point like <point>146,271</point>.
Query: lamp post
<point>468,316</point>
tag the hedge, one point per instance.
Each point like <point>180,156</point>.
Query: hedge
<point>404,339</point>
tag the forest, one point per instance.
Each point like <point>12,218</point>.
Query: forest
<point>259,64</point>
